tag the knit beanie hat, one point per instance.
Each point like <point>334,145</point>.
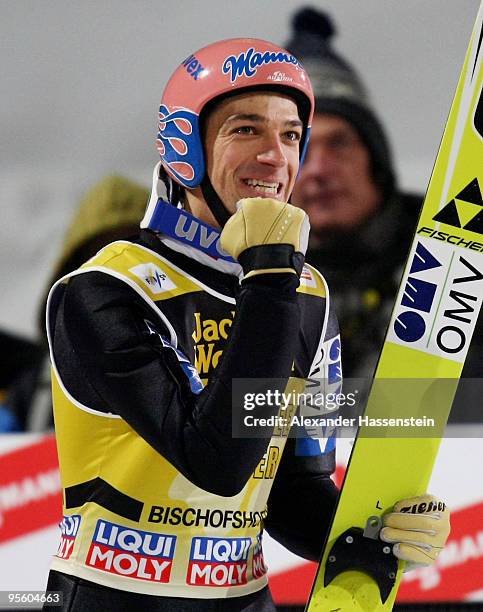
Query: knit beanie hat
<point>338,89</point>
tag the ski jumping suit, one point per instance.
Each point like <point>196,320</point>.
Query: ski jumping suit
<point>164,508</point>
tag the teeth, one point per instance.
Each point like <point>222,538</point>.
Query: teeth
<point>263,186</point>
<point>262,183</point>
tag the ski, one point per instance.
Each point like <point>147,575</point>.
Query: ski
<point>424,351</point>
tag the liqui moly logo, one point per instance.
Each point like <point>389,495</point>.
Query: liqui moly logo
<point>131,553</point>
<point>218,561</point>
<point>248,62</point>
<point>259,568</point>
<point>69,528</point>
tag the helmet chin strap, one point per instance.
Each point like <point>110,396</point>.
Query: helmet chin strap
<point>214,202</point>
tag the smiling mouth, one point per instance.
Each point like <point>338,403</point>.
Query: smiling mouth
<point>264,187</point>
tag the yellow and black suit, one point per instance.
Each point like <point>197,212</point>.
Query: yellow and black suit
<point>160,499</point>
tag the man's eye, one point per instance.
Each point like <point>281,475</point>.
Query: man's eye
<point>245,129</point>
<point>294,136</point>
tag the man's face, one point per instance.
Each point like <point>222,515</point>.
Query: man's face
<point>335,186</point>
<point>252,146</point>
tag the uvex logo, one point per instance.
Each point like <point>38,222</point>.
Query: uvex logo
<point>193,67</point>
<point>200,235</point>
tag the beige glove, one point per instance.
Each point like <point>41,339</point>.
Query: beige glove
<point>267,236</point>
<point>419,528</point>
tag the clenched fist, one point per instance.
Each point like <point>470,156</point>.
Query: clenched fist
<point>267,236</point>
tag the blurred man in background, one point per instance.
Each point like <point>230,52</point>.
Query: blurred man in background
<point>361,224</point>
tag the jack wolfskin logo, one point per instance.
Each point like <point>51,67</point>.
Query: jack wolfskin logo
<point>209,336</point>
<point>465,210</point>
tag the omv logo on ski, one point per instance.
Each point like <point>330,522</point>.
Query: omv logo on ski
<point>248,62</point>
<point>410,325</point>
<point>440,302</point>
<point>178,134</point>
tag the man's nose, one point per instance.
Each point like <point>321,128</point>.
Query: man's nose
<point>272,152</point>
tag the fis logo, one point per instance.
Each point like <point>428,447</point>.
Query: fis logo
<point>440,301</point>
<point>248,62</point>
<point>218,561</point>
<point>69,528</point>
<point>259,568</point>
<point>131,553</point>
<point>153,277</point>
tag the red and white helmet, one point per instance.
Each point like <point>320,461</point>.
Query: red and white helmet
<point>224,67</point>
